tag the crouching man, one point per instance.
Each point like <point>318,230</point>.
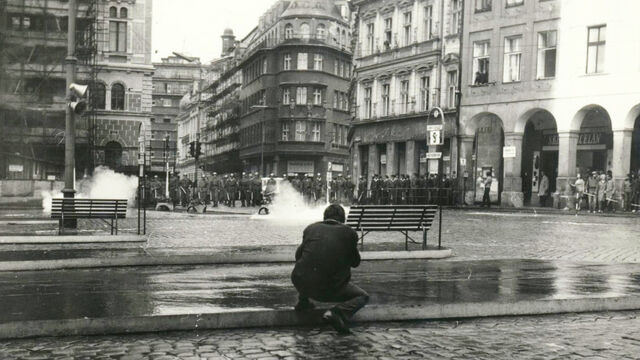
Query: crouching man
<point>323,269</point>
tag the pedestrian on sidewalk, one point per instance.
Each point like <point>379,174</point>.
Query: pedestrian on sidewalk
<point>610,191</point>
<point>602,196</point>
<point>486,198</point>
<point>579,188</point>
<point>626,191</point>
<point>592,192</point>
<point>322,272</point>
<point>543,191</point>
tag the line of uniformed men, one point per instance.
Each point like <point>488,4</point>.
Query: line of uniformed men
<point>215,189</point>
<point>402,189</point>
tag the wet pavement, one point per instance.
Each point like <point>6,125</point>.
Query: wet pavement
<point>593,336</point>
<point>473,235</point>
<point>118,292</point>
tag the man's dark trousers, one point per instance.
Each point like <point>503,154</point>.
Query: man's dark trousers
<point>350,298</point>
<point>486,199</point>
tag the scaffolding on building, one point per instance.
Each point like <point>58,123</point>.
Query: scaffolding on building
<point>33,36</point>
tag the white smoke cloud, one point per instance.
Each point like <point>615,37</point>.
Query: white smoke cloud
<point>289,207</point>
<point>104,184</point>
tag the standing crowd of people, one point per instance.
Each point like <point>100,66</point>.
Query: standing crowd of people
<point>601,194</point>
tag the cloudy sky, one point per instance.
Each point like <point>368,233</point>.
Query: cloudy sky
<point>194,26</point>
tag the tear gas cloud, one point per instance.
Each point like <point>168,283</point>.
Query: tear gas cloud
<point>104,184</point>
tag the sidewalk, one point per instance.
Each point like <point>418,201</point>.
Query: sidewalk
<point>125,300</point>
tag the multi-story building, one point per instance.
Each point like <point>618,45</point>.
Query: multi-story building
<point>222,133</point>
<point>173,77</point>
<point>114,58</point>
<point>549,87</point>
<point>123,92</point>
<point>294,113</point>
<point>194,123</point>
<point>407,63</point>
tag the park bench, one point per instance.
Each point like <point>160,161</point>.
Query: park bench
<point>108,211</point>
<point>402,218</point>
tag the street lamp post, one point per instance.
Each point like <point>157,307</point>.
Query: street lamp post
<point>70,127</point>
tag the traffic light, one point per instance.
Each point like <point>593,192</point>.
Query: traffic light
<point>198,149</point>
<point>192,148</point>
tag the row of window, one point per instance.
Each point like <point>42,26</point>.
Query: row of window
<point>405,102</point>
<point>301,94</point>
<point>485,5</point>
<point>306,61</point>
<point>255,99</point>
<point>410,31</point>
<point>171,88</point>
<point>546,56</point>
<point>119,99</point>
<point>304,32</point>
<point>303,130</point>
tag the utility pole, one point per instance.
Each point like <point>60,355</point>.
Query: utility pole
<point>70,126</point>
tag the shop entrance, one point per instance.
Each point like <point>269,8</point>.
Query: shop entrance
<point>539,155</point>
<point>487,158</point>
<point>595,142</point>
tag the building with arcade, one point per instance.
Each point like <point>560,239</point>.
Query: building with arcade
<point>548,87</point>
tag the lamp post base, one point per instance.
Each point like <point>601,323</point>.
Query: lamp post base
<point>69,224</point>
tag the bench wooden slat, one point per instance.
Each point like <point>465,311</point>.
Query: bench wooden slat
<point>73,209</point>
<point>402,218</point>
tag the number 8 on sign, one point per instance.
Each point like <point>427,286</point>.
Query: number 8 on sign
<point>434,138</point>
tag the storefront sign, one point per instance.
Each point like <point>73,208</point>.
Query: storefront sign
<point>302,166</point>
<point>16,168</point>
<point>463,162</point>
<point>51,177</point>
<point>509,152</point>
<point>587,138</point>
<point>446,158</point>
<point>337,167</point>
<point>434,155</point>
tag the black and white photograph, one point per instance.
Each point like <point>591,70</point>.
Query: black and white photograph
<point>319,179</point>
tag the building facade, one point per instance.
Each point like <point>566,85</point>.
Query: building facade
<point>173,77</point>
<point>407,64</point>
<point>548,87</point>
<point>125,77</point>
<point>113,49</point>
<point>296,69</point>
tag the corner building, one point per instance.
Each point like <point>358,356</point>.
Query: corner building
<point>548,86</point>
<point>407,64</point>
<point>294,112</point>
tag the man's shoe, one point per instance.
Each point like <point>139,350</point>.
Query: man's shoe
<point>336,321</point>
<point>304,306</point>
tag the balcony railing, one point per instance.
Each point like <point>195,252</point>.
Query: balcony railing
<point>367,58</point>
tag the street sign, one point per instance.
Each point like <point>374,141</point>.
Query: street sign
<point>435,137</point>
<point>434,155</point>
<point>509,152</point>
<point>463,162</point>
